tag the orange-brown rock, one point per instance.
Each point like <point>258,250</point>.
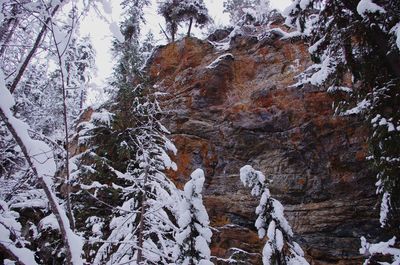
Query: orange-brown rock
<point>243,110</point>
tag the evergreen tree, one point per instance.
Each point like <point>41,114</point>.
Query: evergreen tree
<point>194,234</point>
<point>280,247</point>
<point>175,12</point>
<point>120,175</point>
<point>137,217</point>
<point>356,50</point>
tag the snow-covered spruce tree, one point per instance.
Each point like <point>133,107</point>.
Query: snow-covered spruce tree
<point>142,228</point>
<point>355,46</point>
<point>280,248</point>
<point>194,234</point>
<point>176,12</point>
<point>125,204</point>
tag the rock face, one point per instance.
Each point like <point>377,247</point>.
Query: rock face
<point>229,108</point>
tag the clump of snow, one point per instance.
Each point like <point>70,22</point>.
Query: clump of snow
<point>34,198</point>
<point>385,209</point>
<point>205,262</point>
<point>8,226</point>
<point>215,63</point>
<point>114,28</point>
<point>253,179</point>
<point>361,106</point>
<point>49,222</point>
<point>93,185</point>
<point>170,146</point>
<point>107,6</point>
<point>396,30</point>
<point>367,6</point>
<point>297,259</point>
<point>103,117</point>
<point>316,45</point>
<point>334,89</point>
<point>97,224</point>
<point>221,46</point>
<point>304,4</point>
<point>381,248</point>
<point>278,214</point>
<point>326,68</point>
<point>278,32</point>
<point>168,163</point>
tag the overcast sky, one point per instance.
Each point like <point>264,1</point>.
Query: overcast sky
<point>101,35</point>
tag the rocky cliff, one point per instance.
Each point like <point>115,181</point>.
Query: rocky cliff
<point>232,106</point>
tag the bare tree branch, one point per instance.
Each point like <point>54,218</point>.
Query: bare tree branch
<point>38,40</point>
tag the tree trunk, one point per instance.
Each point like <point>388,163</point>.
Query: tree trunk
<point>174,28</point>
<point>7,29</point>
<point>65,118</point>
<point>163,31</point>
<point>141,224</point>
<point>8,36</point>
<point>190,26</point>
<point>6,24</point>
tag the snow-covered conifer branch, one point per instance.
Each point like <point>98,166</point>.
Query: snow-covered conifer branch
<point>271,223</point>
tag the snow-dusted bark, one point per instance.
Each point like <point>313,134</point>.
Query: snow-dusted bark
<point>194,234</point>
<point>271,223</point>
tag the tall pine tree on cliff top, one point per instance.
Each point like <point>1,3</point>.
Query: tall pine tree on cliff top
<point>176,12</point>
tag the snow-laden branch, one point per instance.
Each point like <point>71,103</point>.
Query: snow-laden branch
<point>43,167</point>
<point>8,228</point>
<point>271,223</point>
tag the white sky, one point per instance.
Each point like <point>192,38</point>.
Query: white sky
<point>98,29</point>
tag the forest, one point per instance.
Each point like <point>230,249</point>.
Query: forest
<point>274,139</point>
